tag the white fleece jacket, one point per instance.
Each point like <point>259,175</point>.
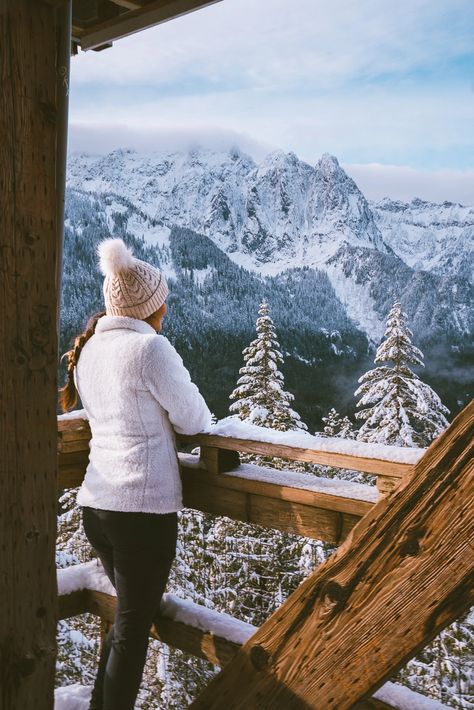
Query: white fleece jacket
<point>135,391</point>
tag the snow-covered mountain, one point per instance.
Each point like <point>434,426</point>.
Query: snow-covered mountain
<point>429,236</point>
<point>275,214</point>
<point>285,213</point>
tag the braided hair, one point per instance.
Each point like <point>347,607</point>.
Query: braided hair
<point>68,393</point>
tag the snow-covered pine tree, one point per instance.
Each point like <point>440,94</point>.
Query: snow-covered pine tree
<point>262,566</point>
<point>397,407</point>
<point>337,425</point>
<point>402,410</point>
<point>260,396</point>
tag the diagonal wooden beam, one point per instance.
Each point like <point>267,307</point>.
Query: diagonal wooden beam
<point>150,14</point>
<point>403,574</point>
<point>214,648</point>
<point>128,4</point>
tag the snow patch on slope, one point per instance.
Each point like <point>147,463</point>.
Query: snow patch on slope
<point>357,301</point>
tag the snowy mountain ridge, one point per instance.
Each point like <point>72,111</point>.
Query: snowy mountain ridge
<point>280,212</point>
<point>429,236</point>
<point>284,213</point>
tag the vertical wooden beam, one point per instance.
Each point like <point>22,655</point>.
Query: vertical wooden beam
<point>218,460</point>
<point>63,39</point>
<point>29,236</point>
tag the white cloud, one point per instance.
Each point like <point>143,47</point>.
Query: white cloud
<point>404,183</point>
<point>375,180</point>
<point>104,138</point>
<point>356,78</point>
<point>424,127</point>
<point>281,42</point>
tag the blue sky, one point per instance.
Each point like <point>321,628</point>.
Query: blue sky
<point>387,87</point>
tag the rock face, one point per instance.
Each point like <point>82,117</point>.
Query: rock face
<point>286,214</point>
<point>438,238</point>
<point>279,211</point>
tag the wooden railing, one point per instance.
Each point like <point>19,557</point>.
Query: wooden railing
<point>305,504</point>
<point>404,572</point>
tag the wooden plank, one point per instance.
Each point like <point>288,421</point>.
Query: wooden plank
<point>404,573</point>
<point>128,4</point>
<point>356,463</point>
<point>305,496</point>
<point>304,512</point>
<point>316,515</point>
<point>73,604</point>
<point>151,14</point>
<point>218,460</point>
<point>29,236</point>
<point>78,429</point>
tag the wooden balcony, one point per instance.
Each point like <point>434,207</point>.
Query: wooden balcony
<point>403,572</point>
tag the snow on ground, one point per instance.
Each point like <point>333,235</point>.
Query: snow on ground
<point>398,696</point>
<point>295,479</point>
<point>77,697</point>
<point>357,301</point>
<point>75,414</point>
<point>155,235</point>
<point>200,275</point>
<point>72,697</point>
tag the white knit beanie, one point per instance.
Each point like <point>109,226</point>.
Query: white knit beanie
<point>131,287</point>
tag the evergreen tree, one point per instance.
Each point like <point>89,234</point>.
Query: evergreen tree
<point>397,408</point>
<point>260,397</point>
<point>262,566</point>
<point>337,425</point>
<point>402,410</point>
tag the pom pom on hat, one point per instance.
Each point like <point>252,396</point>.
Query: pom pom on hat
<point>114,256</point>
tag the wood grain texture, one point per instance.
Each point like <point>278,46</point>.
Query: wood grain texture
<point>28,353</point>
<point>305,512</point>
<point>357,463</point>
<point>404,573</point>
<point>216,649</point>
<point>188,638</point>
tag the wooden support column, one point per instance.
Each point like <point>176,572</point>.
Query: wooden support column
<point>29,248</point>
<point>404,573</point>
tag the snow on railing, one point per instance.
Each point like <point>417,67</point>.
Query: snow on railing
<point>233,428</point>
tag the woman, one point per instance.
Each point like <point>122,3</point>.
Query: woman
<point>136,393</point>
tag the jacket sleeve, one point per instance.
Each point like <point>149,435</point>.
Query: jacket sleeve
<point>164,373</point>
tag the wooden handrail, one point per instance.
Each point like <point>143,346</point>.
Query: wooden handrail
<point>299,503</point>
<point>74,435</point>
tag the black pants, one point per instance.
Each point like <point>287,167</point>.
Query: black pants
<point>137,551</point>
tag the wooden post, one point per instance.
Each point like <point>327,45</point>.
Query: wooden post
<point>404,573</point>
<point>29,247</point>
<point>218,460</point>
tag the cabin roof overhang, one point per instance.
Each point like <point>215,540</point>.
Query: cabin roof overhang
<point>96,24</point>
